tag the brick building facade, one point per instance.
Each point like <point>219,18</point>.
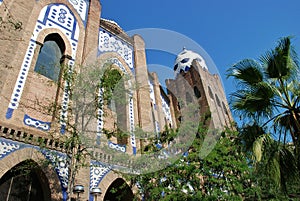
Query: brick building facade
<point>73,33</point>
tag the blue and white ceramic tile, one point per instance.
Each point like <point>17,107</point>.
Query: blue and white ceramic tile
<point>65,100</point>
<point>152,95</point>
<point>7,147</point>
<point>97,173</point>
<point>131,123</point>
<point>59,161</point>
<point>117,147</point>
<point>81,6</point>
<point>166,110</point>
<point>20,83</point>
<point>109,42</point>
<point>100,122</point>
<point>44,126</point>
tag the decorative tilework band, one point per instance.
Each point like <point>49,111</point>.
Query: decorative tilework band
<point>100,121</point>
<point>7,147</point>
<point>131,127</point>
<point>65,100</point>
<point>97,173</point>
<point>109,42</point>
<point>81,6</point>
<point>152,95</point>
<point>20,83</point>
<point>117,147</point>
<point>166,110</point>
<point>59,161</point>
<point>44,126</point>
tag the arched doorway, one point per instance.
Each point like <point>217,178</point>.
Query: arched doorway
<point>118,191</point>
<point>25,182</point>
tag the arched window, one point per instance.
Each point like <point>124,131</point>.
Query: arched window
<point>178,106</point>
<point>175,67</point>
<point>50,57</point>
<point>224,108</point>
<point>197,92</point>
<point>218,100</point>
<point>210,93</point>
<point>115,98</point>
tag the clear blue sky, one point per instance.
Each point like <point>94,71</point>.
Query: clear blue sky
<point>227,30</point>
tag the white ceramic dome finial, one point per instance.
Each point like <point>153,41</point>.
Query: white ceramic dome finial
<point>184,61</point>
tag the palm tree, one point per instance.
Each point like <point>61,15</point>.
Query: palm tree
<point>268,98</point>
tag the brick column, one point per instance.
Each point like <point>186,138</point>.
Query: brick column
<point>92,32</point>
<point>143,89</point>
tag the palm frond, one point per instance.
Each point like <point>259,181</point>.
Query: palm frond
<point>258,149</point>
<point>247,71</point>
<point>283,119</point>
<point>288,167</point>
<point>249,134</point>
<point>280,62</point>
<point>255,101</point>
<point>260,145</point>
<point>294,89</point>
<point>273,166</point>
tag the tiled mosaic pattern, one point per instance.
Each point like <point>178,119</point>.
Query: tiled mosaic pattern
<point>109,42</point>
